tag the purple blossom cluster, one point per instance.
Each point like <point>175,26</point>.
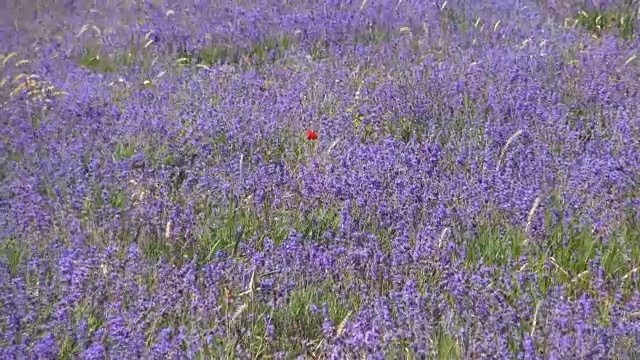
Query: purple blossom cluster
<point>472,190</point>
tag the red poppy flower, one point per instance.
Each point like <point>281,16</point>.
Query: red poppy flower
<point>312,135</point>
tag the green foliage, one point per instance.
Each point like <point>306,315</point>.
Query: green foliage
<point>213,55</point>
<point>244,222</point>
<point>320,50</point>
<point>373,36</point>
<point>565,255</point>
<point>118,199</point>
<point>597,22</point>
<point>297,318</point>
<point>407,129</point>
<point>12,253</point>
<point>453,20</point>
<point>317,223</point>
<point>92,58</point>
<point>262,52</point>
<point>495,245</point>
<point>446,346</point>
<point>620,256</point>
<point>155,248</point>
<point>302,317</point>
<point>124,150</point>
<point>287,147</point>
<point>226,233</point>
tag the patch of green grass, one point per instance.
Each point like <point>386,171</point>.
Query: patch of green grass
<point>373,36</point>
<point>92,58</point>
<point>12,253</point>
<point>331,107</point>
<point>407,129</point>
<point>68,345</point>
<point>620,255</point>
<point>10,156</point>
<point>262,52</point>
<point>567,245</point>
<point>563,255</point>
<point>570,250</point>
<point>225,227</point>
<point>46,190</point>
<point>446,346</point>
<point>124,150</point>
<point>302,318</point>
<point>295,327</point>
<point>404,129</point>
<point>453,19</point>
<point>597,22</point>
<point>37,118</point>
<point>239,224</point>
<point>320,50</point>
<point>243,222</point>
<point>118,199</point>
<point>297,319</point>
<point>155,248</point>
<point>613,258</point>
<point>273,47</point>
<point>95,58</point>
<point>495,245</point>
<point>213,55</point>
<point>317,223</point>
<point>287,147</point>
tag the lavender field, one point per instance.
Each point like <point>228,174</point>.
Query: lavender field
<point>319,180</point>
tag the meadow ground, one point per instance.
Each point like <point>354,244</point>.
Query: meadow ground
<point>299,179</point>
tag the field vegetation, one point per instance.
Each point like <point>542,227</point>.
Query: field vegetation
<point>319,180</point>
